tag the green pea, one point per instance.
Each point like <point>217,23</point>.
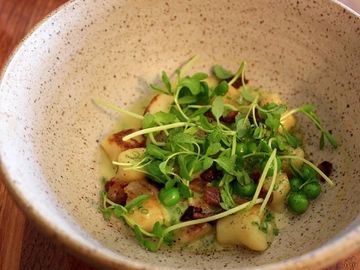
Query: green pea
<point>169,196</point>
<point>246,190</point>
<point>312,190</point>
<point>298,202</point>
<point>272,167</point>
<point>252,147</point>
<point>241,149</point>
<point>295,183</point>
<point>307,172</point>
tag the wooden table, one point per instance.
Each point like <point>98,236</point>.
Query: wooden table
<point>22,246</point>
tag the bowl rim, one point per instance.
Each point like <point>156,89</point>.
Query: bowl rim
<point>330,252</point>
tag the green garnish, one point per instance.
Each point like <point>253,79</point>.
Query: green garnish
<point>196,136</point>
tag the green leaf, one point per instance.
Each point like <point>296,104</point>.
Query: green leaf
<point>149,121</point>
<point>221,73</point>
<point>181,138</point>
<point>154,172</point>
<point>191,84</point>
<point>290,139</point>
<point>165,118</point>
<point>322,141</point>
<point>227,163</point>
<point>207,163</point>
<point>150,245</point>
<point>217,108</point>
<point>175,111</point>
<point>199,76</point>
<point>204,123</point>
<point>119,211</point>
<point>272,121</point>
<point>225,194</point>
<point>242,127</point>
<point>331,139</point>
<point>155,151</point>
<point>107,212</point>
<point>184,172</point>
<point>138,235</point>
<point>187,100</point>
<point>213,149</point>
<point>215,136</point>
<point>259,132</point>
<point>247,93</point>
<point>221,89</point>
<point>158,88</point>
<point>158,229</point>
<point>200,111</point>
<point>185,191</point>
<point>137,201</point>
<point>166,81</point>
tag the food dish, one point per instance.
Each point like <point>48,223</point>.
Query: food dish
<point>214,158</point>
<point>111,50</point>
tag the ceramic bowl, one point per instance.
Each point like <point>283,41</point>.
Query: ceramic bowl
<point>309,52</point>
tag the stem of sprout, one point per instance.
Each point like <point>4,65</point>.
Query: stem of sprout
<point>154,129</point>
<point>262,178</point>
<point>271,188</point>
<point>239,72</point>
<point>327,179</point>
<point>211,218</point>
<point>113,107</point>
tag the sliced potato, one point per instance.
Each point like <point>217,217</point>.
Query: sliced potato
<point>212,81</point>
<point>193,233</point>
<point>280,191</point>
<point>159,103</point>
<point>131,156</point>
<point>288,123</point>
<point>299,152</point>
<point>232,96</point>
<point>113,144</point>
<point>269,97</point>
<point>242,228</point>
<point>151,210</point>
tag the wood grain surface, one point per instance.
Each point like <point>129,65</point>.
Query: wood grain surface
<point>22,246</point>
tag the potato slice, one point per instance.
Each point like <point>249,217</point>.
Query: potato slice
<point>131,156</point>
<point>113,144</point>
<point>212,81</point>
<point>280,191</point>
<point>151,210</point>
<point>232,96</point>
<point>193,233</point>
<point>159,103</point>
<point>242,228</point>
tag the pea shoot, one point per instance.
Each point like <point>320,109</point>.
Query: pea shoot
<point>222,136</point>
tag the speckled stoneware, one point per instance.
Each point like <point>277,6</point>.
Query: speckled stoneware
<point>308,51</point>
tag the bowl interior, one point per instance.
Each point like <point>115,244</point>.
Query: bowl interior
<point>307,52</point>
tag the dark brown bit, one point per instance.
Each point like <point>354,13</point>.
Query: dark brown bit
<point>209,116</point>
<point>326,167</point>
<point>238,83</point>
<point>115,191</point>
<point>193,212</point>
<point>197,185</point>
<point>132,143</point>
<point>255,175</point>
<point>211,174</point>
<point>263,193</point>
<point>212,196</point>
<point>229,118</point>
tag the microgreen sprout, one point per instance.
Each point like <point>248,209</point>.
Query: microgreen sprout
<point>243,142</point>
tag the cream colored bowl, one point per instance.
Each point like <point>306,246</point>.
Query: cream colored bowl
<point>308,51</point>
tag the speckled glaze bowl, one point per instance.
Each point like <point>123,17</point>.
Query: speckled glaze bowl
<point>50,130</point>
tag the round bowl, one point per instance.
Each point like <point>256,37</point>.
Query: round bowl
<point>50,130</point>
